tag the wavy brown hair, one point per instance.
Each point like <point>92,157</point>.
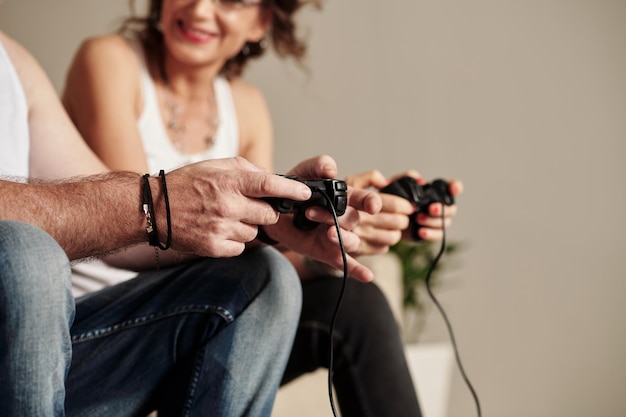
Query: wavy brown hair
<point>282,33</point>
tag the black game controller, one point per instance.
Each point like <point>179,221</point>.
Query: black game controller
<point>322,191</point>
<point>421,196</point>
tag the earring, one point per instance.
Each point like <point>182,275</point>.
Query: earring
<point>263,44</point>
<point>245,51</point>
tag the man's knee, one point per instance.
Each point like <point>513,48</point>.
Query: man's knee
<point>284,284</point>
<point>33,267</point>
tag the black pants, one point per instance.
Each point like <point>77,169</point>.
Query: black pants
<point>371,376</point>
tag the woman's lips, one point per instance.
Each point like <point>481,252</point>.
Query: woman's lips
<point>194,34</point>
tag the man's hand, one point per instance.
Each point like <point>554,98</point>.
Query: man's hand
<point>322,243</point>
<point>215,205</point>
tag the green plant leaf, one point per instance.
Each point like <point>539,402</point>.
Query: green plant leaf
<point>416,259</point>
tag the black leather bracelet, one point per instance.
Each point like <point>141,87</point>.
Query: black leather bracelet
<point>168,215</point>
<point>148,208</point>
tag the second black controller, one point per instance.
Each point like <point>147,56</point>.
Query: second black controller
<point>421,196</point>
<point>323,191</point>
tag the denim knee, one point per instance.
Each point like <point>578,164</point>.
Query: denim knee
<point>285,285</point>
<point>36,310</point>
<point>253,350</point>
<point>34,272</point>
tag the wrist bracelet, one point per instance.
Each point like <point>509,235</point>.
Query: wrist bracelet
<point>148,208</point>
<point>151,223</point>
<point>168,214</point>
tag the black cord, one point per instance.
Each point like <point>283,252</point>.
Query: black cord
<point>445,316</point>
<point>148,203</point>
<point>148,206</point>
<point>339,299</point>
<point>428,289</point>
<point>168,214</point>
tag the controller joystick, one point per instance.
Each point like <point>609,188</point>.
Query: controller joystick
<point>322,191</point>
<point>421,196</point>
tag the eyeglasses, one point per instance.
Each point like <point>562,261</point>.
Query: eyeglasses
<point>234,5</point>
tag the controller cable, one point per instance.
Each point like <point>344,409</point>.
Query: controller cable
<point>430,294</point>
<point>445,316</point>
<point>339,299</point>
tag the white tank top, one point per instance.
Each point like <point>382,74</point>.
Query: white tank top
<point>94,275</point>
<point>14,133</point>
<point>160,151</point>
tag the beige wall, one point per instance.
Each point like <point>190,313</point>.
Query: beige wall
<point>523,100</point>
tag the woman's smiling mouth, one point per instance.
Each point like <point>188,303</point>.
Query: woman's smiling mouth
<point>194,34</point>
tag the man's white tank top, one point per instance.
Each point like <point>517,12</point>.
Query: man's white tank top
<point>95,275</point>
<point>14,133</point>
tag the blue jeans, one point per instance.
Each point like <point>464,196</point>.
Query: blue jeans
<point>210,337</point>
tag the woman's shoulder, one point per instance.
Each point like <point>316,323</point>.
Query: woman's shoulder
<point>106,47</point>
<point>245,94</point>
<point>102,66</point>
<point>102,59</point>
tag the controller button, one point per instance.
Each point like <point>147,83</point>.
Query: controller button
<point>341,204</point>
<point>341,186</point>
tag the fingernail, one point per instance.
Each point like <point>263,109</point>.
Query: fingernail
<point>305,193</point>
<point>313,211</point>
<point>328,169</point>
<point>423,233</point>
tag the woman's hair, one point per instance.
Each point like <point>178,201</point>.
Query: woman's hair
<point>282,33</point>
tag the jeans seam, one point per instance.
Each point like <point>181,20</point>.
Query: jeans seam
<point>139,321</point>
<point>193,384</point>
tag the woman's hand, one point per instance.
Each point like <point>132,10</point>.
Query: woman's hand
<point>380,231</point>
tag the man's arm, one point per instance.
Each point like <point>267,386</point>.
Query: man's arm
<point>215,208</point>
<point>88,217</point>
